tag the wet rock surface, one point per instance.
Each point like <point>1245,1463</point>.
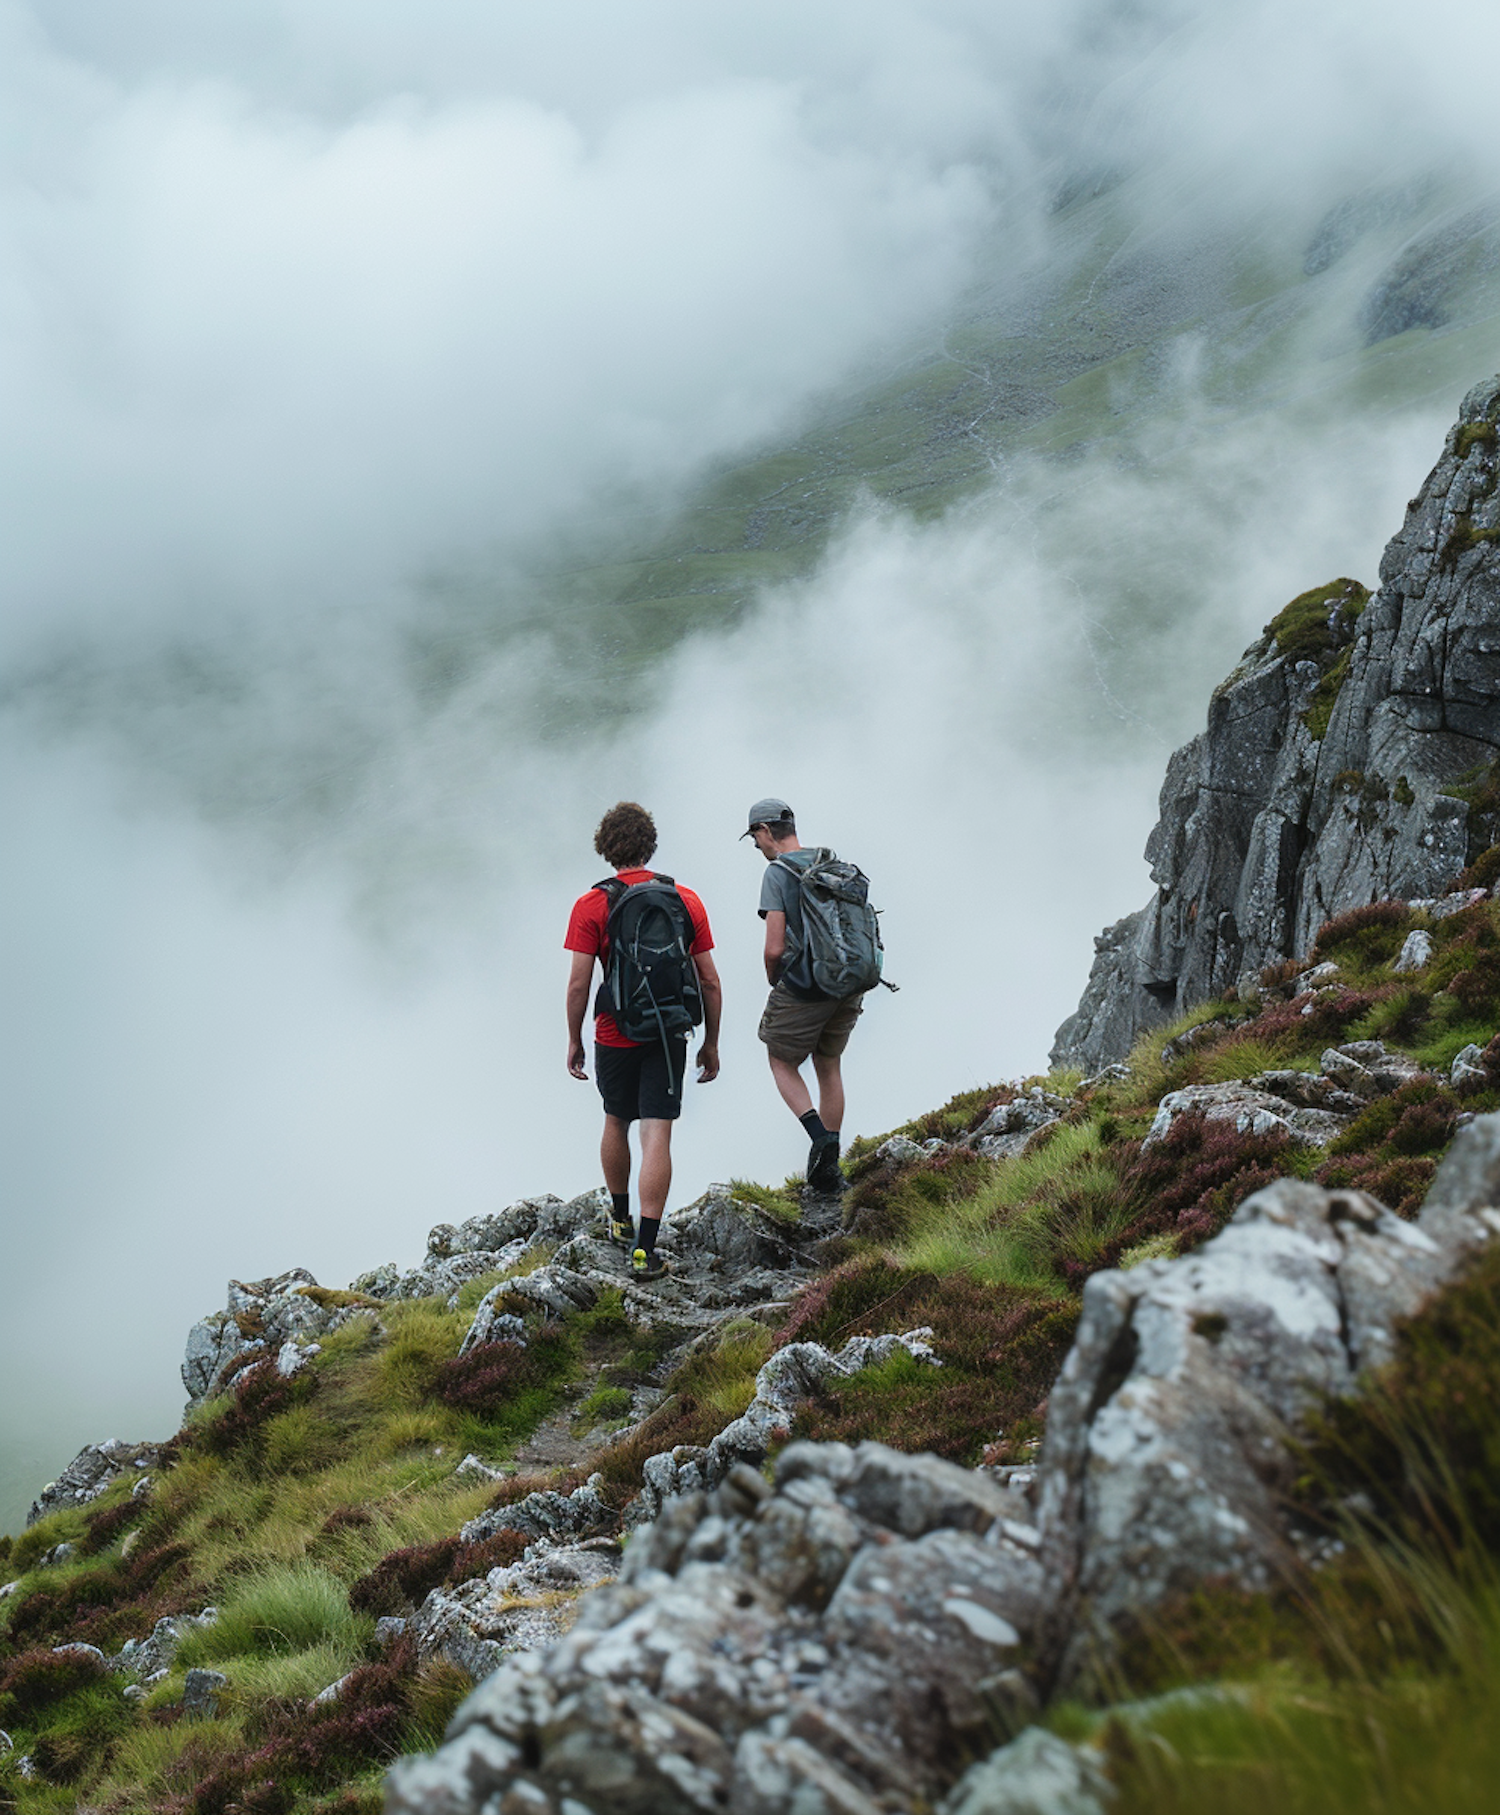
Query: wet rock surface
<point>1267,830</point>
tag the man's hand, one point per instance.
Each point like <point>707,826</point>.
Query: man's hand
<point>708,1063</point>
<point>580,974</point>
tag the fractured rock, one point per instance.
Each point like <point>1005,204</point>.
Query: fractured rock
<point>1251,1109</point>
<point>96,1467</point>
<point>792,1375</point>
<point>519,1608</point>
<point>547,1514</point>
<point>200,1692</point>
<point>1268,830</point>
<point>1166,1454</point>
<point>771,1652</point>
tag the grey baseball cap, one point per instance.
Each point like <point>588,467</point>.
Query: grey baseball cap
<point>767,812</point>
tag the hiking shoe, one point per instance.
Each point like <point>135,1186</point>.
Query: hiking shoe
<point>622,1234</point>
<point>823,1170</point>
<point>648,1266</point>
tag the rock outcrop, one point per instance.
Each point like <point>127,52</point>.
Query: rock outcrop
<point>757,1653</point>
<point>1353,756</point>
<point>96,1467</point>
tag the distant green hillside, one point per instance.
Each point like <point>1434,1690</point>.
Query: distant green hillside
<point>1114,333</point>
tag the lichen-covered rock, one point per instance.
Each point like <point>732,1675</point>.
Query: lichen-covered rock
<point>791,1376</point>
<point>519,1608</point>
<point>557,1289</point>
<point>773,1651</point>
<point>1037,1774</point>
<point>96,1467</point>
<point>1166,1454</point>
<point>152,1656</point>
<point>491,1324</point>
<point>732,1231</point>
<point>1009,1126</point>
<point>582,1513</point>
<point>200,1693</point>
<point>1323,782</point>
<point>260,1319</point>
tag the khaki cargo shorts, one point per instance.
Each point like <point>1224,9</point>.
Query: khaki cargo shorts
<point>793,1029</point>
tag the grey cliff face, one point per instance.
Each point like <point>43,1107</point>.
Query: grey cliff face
<point>1267,829</point>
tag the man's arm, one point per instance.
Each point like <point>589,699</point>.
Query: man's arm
<point>579,978</point>
<point>713,1004</point>
<point>775,942</point>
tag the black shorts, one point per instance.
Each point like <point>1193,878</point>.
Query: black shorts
<point>634,1083</point>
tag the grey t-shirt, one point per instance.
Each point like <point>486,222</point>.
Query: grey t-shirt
<point>780,891</point>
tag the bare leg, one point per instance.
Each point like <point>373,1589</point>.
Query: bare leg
<point>656,1167</point>
<point>830,1091</point>
<point>614,1155</point>
<point>794,1093</point>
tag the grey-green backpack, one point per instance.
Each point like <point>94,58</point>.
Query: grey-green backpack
<point>840,929</point>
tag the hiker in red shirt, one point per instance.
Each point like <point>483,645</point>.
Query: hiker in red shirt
<point>653,944</point>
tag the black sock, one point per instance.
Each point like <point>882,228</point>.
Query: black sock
<point>646,1237</point>
<point>813,1123</point>
<point>621,1202</point>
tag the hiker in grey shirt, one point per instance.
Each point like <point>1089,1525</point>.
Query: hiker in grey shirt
<point>800,1021</point>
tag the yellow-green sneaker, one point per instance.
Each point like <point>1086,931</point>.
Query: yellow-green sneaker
<point>648,1266</point>
<point>622,1234</point>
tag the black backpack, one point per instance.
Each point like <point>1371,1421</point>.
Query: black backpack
<point>650,981</point>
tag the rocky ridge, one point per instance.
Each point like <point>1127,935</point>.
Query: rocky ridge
<point>1353,756</point>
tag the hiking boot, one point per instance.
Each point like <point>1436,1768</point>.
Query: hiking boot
<point>622,1234</point>
<point>648,1266</point>
<point>823,1170</point>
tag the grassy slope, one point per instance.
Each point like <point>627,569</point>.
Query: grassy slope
<point>306,1508</point>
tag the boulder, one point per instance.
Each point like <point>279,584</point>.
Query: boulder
<point>491,1324</point>
<point>1251,1109</point>
<point>730,1234</point>
<point>153,1655</point>
<point>1166,1455</point>
<point>1009,1126</point>
<point>1037,1774</point>
<point>260,1319</point>
<point>200,1693</point>
<point>1368,1069</point>
<point>1308,1090</point>
<point>520,1608</point>
<point>558,1290</point>
<point>900,1150</point>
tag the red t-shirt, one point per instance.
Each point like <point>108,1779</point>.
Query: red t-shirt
<point>586,933</point>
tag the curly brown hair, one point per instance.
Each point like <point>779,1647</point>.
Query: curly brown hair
<point>627,836</point>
